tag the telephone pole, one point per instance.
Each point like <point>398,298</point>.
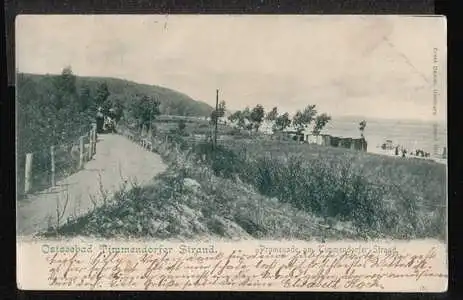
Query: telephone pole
<point>216,116</point>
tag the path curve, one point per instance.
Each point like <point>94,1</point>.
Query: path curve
<point>116,160</point>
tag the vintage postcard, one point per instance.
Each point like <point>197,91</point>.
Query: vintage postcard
<point>231,153</point>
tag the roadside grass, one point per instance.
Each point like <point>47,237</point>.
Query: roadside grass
<point>275,192</point>
<point>190,201</point>
<point>421,180</point>
<point>384,197</point>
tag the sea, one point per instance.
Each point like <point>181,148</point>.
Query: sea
<point>429,136</point>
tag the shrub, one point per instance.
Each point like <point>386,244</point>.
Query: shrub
<point>223,161</point>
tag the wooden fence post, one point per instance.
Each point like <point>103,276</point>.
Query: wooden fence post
<point>28,173</point>
<point>81,150</point>
<point>52,155</point>
<point>94,141</point>
<point>90,145</point>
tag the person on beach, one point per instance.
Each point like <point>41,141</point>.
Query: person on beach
<point>404,152</point>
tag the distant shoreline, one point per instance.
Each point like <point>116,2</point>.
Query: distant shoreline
<point>385,153</point>
<point>384,119</point>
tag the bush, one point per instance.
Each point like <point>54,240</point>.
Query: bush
<point>177,139</point>
<point>223,161</point>
<point>181,125</point>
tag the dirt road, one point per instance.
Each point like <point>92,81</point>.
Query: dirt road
<point>116,160</point>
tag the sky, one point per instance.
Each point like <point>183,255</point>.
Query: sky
<point>371,66</point>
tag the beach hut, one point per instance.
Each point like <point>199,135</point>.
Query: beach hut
<point>359,144</point>
<point>334,141</point>
<point>354,145</point>
<point>326,140</point>
<point>310,138</point>
<point>345,143</point>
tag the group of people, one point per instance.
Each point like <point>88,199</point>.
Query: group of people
<point>403,152</point>
<point>105,122</point>
<point>399,150</point>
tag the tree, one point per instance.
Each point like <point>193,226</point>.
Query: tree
<point>297,120</point>
<point>320,123</point>
<point>234,117</point>
<point>102,94</point>
<point>238,118</point>
<point>221,109</point>
<point>106,106</point>
<point>247,113</point>
<point>51,111</point>
<point>303,118</point>
<point>242,118</point>
<point>118,108</point>
<point>282,122</point>
<point>66,82</point>
<point>257,116</point>
<point>65,107</point>
<point>272,115</point>
<point>362,126</point>
<point>64,92</point>
<point>213,118</point>
<point>85,100</point>
<point>144,109</point>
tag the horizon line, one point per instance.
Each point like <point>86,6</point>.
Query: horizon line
<point>440,120</point>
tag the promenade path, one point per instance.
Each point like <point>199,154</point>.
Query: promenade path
<point>117,160</point>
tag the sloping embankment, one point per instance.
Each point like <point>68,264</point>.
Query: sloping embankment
<point>189,201</point>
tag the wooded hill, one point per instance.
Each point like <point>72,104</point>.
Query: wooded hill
<point>53,108</point>
<point>171,102</point>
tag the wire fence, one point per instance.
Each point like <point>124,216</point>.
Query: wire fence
<point>39,170</point>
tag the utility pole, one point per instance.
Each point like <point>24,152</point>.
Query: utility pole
<point>216,117</point>
<point>151,117</point>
